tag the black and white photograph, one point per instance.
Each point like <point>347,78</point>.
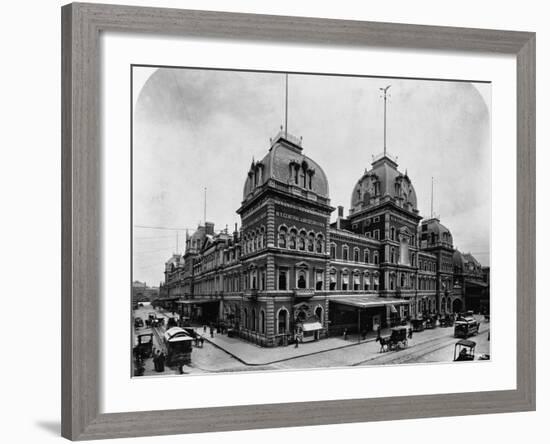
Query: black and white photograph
<point>292,221</point>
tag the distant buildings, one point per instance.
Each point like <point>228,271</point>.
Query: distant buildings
<point>288,271</point>
<point>142,293</point>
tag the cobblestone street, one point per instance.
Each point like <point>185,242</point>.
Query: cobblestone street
<point>224,354</point>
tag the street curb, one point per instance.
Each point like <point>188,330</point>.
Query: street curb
<point>292,357</point>
<point>285,359</point>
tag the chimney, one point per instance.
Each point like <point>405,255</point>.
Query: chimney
<point>209,228</point>
<point>236,234</point>
<point>340,216</point>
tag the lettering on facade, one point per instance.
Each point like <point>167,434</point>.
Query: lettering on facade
<point>298,219</point>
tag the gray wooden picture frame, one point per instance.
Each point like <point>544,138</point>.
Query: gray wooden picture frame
<point>81,174</point>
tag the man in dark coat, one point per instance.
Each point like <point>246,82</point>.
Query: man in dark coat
<point>161,360</point>
<point>156,360</point>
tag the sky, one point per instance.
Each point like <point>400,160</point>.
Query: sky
<point>197,129</point>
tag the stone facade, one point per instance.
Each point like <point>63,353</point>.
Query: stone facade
<point>289,273</point>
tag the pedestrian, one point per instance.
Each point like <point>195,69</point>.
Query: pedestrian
<point>204,328</point>
<point>211,332</point>
<point>296,337</point>
<point>410,333</point>
<point>345,334</point>
<point>161,360</point>
<point>156,360</point>
<point>378,332</point>
<point>202,341</point>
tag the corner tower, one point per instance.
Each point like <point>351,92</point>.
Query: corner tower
<point>285,216</point>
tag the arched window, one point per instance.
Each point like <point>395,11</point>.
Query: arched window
<point>253,323</point>
<point>319,244</point>
<point>345,253</point>
<point>262,322</point>
<point>392,255</point>
<point>392,233</point>
<point>333,251</point>
<point>302,241</point>
<point>311,242</point>
<point>245,318</point>
<point>366,257</point>
<point>356,254</point>
<point>375,257</point>
<point>292,241</point>
<point>319,314</point>
<point>282,321</point>
<point>366,282</point>
<point>282,237</point>
<point>356,282</point>
<point>345,280</point>
<point>302,279</point>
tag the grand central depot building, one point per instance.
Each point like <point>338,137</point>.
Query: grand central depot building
<point>289,272</point>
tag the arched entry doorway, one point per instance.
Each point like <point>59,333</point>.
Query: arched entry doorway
<point>457,306</point>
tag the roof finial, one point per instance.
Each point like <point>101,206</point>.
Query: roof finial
<point>432,206</point>
<point>286,105</point>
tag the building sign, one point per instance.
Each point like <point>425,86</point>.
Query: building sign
<point>295,215</point>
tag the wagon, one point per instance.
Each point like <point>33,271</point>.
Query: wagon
<point>417,324</point>
<point>144,346</point>
<point>465,327</point>
<point>464,350</point>
<point>398,338</point>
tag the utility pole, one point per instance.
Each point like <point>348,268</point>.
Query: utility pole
<point>385,91</point>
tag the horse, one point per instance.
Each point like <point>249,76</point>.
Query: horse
<point>384,343</point>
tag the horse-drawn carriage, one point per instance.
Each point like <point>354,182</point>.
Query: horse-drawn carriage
<point>397,339</point>
<point>431,322</point>
<point>446,321</point>
<point>417,324</point>
<point>144,346</point>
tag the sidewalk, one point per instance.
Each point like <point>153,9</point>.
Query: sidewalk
<point>254,355</point>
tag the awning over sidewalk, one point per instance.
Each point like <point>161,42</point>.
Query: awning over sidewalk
<point>367,301</point>
<point>311,326</point>
<point>194,302</point>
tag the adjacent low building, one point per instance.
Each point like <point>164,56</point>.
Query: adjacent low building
<point>141,292</point>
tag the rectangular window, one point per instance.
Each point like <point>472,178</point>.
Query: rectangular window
<point>319,280</point>
<point>282,280</point>
<point>377,234</point>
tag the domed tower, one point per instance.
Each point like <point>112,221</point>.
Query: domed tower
<point>436,238</point>
<point>285,215</point>
<point>383,183</point>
